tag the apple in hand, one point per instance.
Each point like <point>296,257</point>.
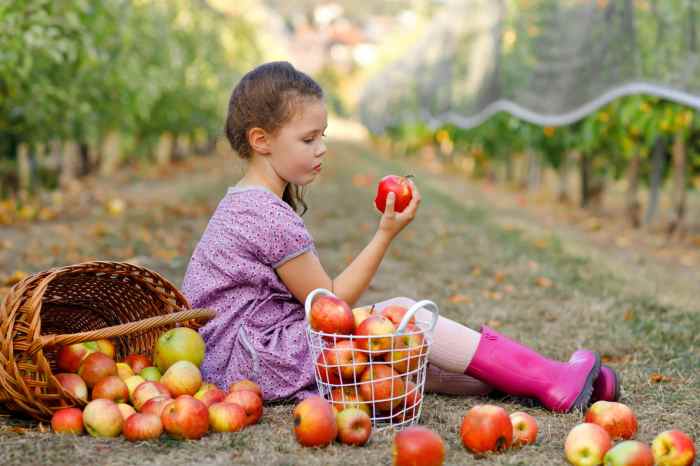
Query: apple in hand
<point>95,367</point>
<point>314,422</point>
<point>673,448</point>
<point>418,446</point>
<point>617,418</point>
<point>586,444</point>
<point>400,186</point>
<point>330,314</point>
<point>524,428</point>
<point>102,418</point>
<point>185,418</point>
<point>67,421</point>
<point>629,453</point>
<point>226,417</point>
<point>486,428</point>
<point>354,426</point>
<point>143,426</point>
<point>73,384</point>
<point>69,357</point>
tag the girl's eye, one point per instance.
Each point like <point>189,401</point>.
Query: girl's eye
<point>308,141</point>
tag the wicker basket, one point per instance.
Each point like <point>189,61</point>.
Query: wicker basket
<point>82,302</point>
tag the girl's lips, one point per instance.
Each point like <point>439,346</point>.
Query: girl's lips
<point>317,167</point>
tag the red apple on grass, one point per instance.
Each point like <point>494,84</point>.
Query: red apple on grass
<point>182,378</point>
<point>143,426</point>
<point>67,421</point>
<point>524,428</point>
<point>146,391</point>
<point>73,384</point>
<point>673,448</point>
<point>95,367</point>
<point>209,394</point>
<point>629,453</point>
<point>418,446</point>
<point>178,344</point>
<point>226,417</point>
<point>185,418</point>
<point>330,314</point>
<point>486,428</point>
<point>586,444</point>
<point>113,388</point>
<point>250,402</point>
<point>346,397</point>
<point>138,362</point>
<point>246,384</point>
<point>126,410</point>
<point>354,426</point>
<point>69,357</point>
<point>102,418</point>
<point>376,335</point>
<point>156,405</point>
<point>400,186</point>
<point>314,422</point>
<point>383,386</point>
<point>617,418</point>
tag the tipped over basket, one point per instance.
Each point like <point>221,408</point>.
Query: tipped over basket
<point>77,303</point>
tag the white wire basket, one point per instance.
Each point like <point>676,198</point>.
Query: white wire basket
<point>383,375</point>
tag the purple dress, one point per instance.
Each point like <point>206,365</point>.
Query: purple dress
<point>259,330</point>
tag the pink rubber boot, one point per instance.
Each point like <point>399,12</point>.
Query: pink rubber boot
<point>607,386</point>
<point>518,370</point>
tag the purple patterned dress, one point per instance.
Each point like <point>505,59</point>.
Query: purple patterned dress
<point>259,330</point>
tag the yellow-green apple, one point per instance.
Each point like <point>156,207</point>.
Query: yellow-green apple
<point>146,391</point>
<point>382,385</point>
<point>330,314</point>
<point>132,383</point>
<point>251,403</point>
<point>418,445</point>
<point>375,335</point>
<point>629,453</point>
<point>150,373</point>
<point>138,362</point>
<point>106,347</point>
<point>126,410</point>
<point>314,422</point>
<point>124,370</point>
<point>69,357</point>
<point>673,448</point>
<point>226,417</point>
<point>143,426</point>
<point>67,421</point>
<point>95,367</point>
<point>354,426</point>
<point>360,314</point>
<point>178,344</point>
<point>209,394</point>
<point>524,428</point>
<point>73,384</point>
<point>407,352</point>
<point>395,313</point>
<point>186,418</point>
<point>182,378</point>
<point>347,397</point>
<point>486,428</point>
<point>113,388</point>
<point>246,384</point>
<point>102,418</point>
<point>586,444</point>
<point>618,419</point>
<point>156,405</point>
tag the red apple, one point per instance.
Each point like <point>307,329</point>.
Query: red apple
<point>673,448</point>
<point>67,421</point>
<point>178,344</point>
<point>150,373</point>
<point>395,313</point>
<point>69,357</point>
<point>346,397</point>
<point>143,426</point>
<point>182,378</point>
<point>524,428</point>
<point>586,444</point>
<point>629,453</point>
<point>124,370</point>
<point>185,418</point>
<point>126,410</point>
<point>226,417</point>
<point>330,314</point>
<point>342,362</point>
<point>106,347</point>
<point>360,314</point>
<point>156,405</point>
<point>250,402</point>
<point>408,409</point>
<point>400,186</point>
<point>418,446</point>
<point>314,422</point>
<point>383,386</point>
<point>113,388</point>
<point>617,418</point>
<point>146,391</point>
<point>138,362</point>
<point>73,384</point>
<point>354,426</point>
<point>246,384</point>
<point>486,428</point>
<point>409,348</point>
<point>209,394</point>
<point>375,334</point>
<point>102,418</point>
<point>95,367</point>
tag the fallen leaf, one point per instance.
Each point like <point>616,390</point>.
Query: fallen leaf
<point>544,282</point>
<point>509,288</point>
<point>541,243</point>
<point>459,298</point>
<point>655,377</point>
<point>629,314</point>
<point>499,277</point>
<point>476,271</point>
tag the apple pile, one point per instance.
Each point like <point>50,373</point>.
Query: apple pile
<point>489,428</point>
<point>362,361</point>
<point>141,397</point>
<point>591,442</point>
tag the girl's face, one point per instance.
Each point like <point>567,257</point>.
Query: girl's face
<point>297,149</point>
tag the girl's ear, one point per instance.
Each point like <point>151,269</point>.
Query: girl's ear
<point>259,140</point>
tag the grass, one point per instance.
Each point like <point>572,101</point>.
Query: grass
<point>526,282</point>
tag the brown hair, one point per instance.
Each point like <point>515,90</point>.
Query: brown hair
<point>267,98</point>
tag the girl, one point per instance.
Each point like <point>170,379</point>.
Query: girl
<point>256,263</point>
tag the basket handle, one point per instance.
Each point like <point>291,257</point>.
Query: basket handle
<point>424,304</point>
<point>310,299</point>
<point>122,329</point>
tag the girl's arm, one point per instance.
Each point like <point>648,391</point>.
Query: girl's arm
<point>305,273</point>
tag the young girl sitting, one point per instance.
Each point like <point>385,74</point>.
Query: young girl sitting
<point>256,263</point>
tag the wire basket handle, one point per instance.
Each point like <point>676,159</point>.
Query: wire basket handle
<point>310,299</point>
<point>424,304</point>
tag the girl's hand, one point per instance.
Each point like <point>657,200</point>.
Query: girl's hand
<point>392,222</point>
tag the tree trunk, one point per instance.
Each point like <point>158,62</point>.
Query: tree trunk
<point>111,153</point>
<point>70,165</point>
<point>563,185</point>
<point>164,150</point>
<point>632,205</point>
<point>24,171</point>
<point>534,170</point>
<point>679,194</point>
<point>585,170</point>
<point>658,163</point>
